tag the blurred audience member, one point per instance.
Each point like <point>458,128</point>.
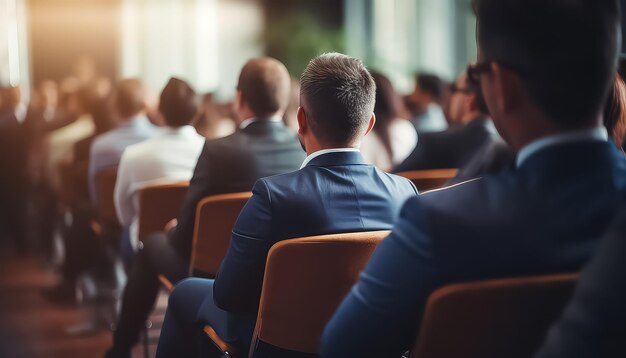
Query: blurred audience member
<point>211,123</point>
<point>134,127</point>
<point>592,324</point>
<point>545,216</point>
<point>338,95</point>
<point>454,147</point>
<point>496,155</point>
<point>427,98</point>
<point>393,138</point>
<point>291,114</point>
<point>263,146</point>
<point>170,156</point>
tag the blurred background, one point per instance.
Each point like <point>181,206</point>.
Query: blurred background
<point>207,41</point>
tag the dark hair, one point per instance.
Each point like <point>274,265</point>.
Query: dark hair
<point>387,108</point>
<point>130,97</point>
<point>564,52</point>
<point>178,103</point>
<point>264,84</point>
<point>338,95</point>
<point>430,84</point>
<point>615,111</point>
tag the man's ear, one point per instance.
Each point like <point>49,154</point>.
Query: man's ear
<point>303,125</point>
<point>370,126</point>
<point>507,88</point>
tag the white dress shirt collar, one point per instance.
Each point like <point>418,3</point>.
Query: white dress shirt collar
<point>314,155</point>
<point>249,121</point>
<point>598,134</point>
<point>187,131</point>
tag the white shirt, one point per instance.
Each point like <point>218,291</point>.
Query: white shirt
<point>326,151</point>
<point>403,140</point>
<point>599,134</point>
<point>169,156</point>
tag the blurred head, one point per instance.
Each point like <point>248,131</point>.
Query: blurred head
<point>387,108</point>
<point>178,103</point>
<point>48,93</point>
<point>337,98</point>
<point>263,89</point>
<point>130,98</point>
<point>615,111</point>
<point>12,97</point>
<point>428,90</point>
<point>466,101</point>
<point>548,77</point>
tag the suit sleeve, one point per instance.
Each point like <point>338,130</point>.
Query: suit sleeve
<point>418,159</point>
<point>380,316</point>
<point>237,287</point>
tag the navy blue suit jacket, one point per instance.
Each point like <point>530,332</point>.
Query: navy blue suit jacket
<point>335,193</point>
<point>594,323</point>
<point>544,217</point>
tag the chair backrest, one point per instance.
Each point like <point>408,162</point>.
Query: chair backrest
<point>494,318</point>
<point>426,180</point>
<point>305,281</point>
<point>105,190</point>
<point>158,205</point>
<point>73,184</point>
<point>215,218</point>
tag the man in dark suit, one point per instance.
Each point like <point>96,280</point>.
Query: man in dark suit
<point>335,191</point>
<point>594,322</point>
<point>544,216</point>
<point>454,147</point>
<point>263,146</point>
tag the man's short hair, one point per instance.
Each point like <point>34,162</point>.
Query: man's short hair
<point>178,103</point>
<point>430,84</point>
<point>130,97</point>
<point>564,51</point>
<point>265,84</point>
<point>338,94</point>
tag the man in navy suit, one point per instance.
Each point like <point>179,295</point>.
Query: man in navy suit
<point>334,192</point>
<point>594,322</point>
<point>546,215</point>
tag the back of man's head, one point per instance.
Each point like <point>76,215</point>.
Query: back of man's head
<point>264,85</point>
<point>130,98</point>
<point>564,51</point>
<point>178,103</point>
<point>338,94</point>
<point>431,85</point>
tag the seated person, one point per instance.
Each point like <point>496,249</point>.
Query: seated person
<point>545,216</point>
<point>427,98</point>
<point>171,156</point>
<point>393,137</point>
<point>335,191</point>
<point>454,147</point>
<point>133,127</point>
<point>593,322</point>
<point>263,146</point>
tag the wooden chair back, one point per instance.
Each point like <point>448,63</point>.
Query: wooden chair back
<point>494,318</point>
<point>215,218</point>
<point>426,180</point>
<point>158,205</point>
<point>305,281</point>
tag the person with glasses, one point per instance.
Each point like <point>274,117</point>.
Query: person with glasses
<point>454,147</point>
<point>544,215</point>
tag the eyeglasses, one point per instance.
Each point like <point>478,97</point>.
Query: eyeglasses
<point>474,72</point>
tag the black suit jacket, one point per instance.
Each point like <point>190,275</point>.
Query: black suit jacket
<point>451,148</point>
<point>233,164</point>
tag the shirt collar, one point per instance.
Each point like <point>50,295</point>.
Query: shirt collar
<point>599,134</point>
<point>249,121</point>
<point>135,122</point>
<point>312,156</point>
<point>184,130</point>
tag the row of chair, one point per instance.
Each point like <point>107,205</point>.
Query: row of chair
<point>293,311</point>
